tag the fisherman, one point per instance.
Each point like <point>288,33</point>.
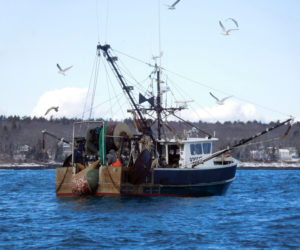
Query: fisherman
<point>117,163</point>
<point>112,159</point>
<point>78,153</point>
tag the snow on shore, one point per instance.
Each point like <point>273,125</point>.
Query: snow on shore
<point>33,166</point>
<point>241,165</point>
<point>268,165</point>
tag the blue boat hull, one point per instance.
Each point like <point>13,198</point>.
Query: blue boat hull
<point>185,182</point>
<point>188,191</point>
<point>193,176</point>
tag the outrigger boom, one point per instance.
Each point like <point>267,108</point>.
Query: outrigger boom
<point>243,142</point>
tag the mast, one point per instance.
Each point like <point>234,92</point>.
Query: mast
<point>158,107</point>
<point>126,88</point>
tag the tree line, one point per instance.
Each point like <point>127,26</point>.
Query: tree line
<point>16,132</point>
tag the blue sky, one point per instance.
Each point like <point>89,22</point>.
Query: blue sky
<point>258,65</point>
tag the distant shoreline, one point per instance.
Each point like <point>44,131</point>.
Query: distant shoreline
<point>268,166</point>
<point>241,166</point>
<point>29,166</point>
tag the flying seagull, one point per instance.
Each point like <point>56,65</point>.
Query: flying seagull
<point>224,31</point>
<point>220,102</point>
<point>49,109</point>
<point>62,71</point>
<point>183,104</point>
<point>233,20</point>
<point>172,7</point>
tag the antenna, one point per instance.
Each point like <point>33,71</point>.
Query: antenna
<point>97,15</point>
<point>159,36</point>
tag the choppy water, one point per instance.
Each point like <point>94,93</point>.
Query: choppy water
<point>260,210</point>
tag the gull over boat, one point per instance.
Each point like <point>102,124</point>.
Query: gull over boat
<point>115,160</point>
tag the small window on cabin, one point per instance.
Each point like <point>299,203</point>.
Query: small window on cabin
<point>206,148</point>
<point>198,149</point>
<point>193,149</point>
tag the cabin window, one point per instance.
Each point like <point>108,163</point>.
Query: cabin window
<point>206,148</point>
<point>196,149</point>
<point>193,149</point>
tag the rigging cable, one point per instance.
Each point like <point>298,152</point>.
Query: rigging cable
<point>167,126</point>
<point>190,124</point>
<point>181,92</point>
<point>95,84</point>
<point>129,74</point>
<point>272,139</point>
<point>115,113</point>
<point>110,81</point>
<point>134,58</point>
<point>106,23</point>
<point>112,66</point>
<point>223,92</point>
<point>159,36</point>
<point>97,16</point>
<point>87,94</point>
<point>204,85</point>
<point>98,105</point>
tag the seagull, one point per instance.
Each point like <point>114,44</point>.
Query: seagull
<point>172,7</point>
<point>183,104</point>
<point>233,20</point>
<point>62,71</point>
<point>49,109</point>
<point>220,102</point>
<point>224,31</point>
<point>156,57</point>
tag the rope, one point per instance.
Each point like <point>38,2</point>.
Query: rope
<point>159,35</point>
<point>226,93</point>
<point>94,87</point>
<point>134,58</point>
<point>112,180</point>
<point>87,94</point>
<point>204,85</point>
<point>181,91</point>
<point>138,85</point>
<point>108,83</point>
<point>167,126</point>
<point>97,16</point>
<point>106,23</point>
<point>117,96</point>
<point>109,79</point>
<point>117,101</point>
<point>269,140</point>
<point>60,184</point>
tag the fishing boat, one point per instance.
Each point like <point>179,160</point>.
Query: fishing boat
<point>111,159</point>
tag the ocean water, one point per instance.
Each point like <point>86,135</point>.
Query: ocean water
<point>260,210</point>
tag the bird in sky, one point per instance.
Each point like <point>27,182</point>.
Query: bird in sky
<point>220,102</point>
<point>233,20</point>
<point>62,71</point>
<point>156,57</point>
<point>183,104</point>
<point>49,109</point>
<point>224,31</point>
<point>172,7</point>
